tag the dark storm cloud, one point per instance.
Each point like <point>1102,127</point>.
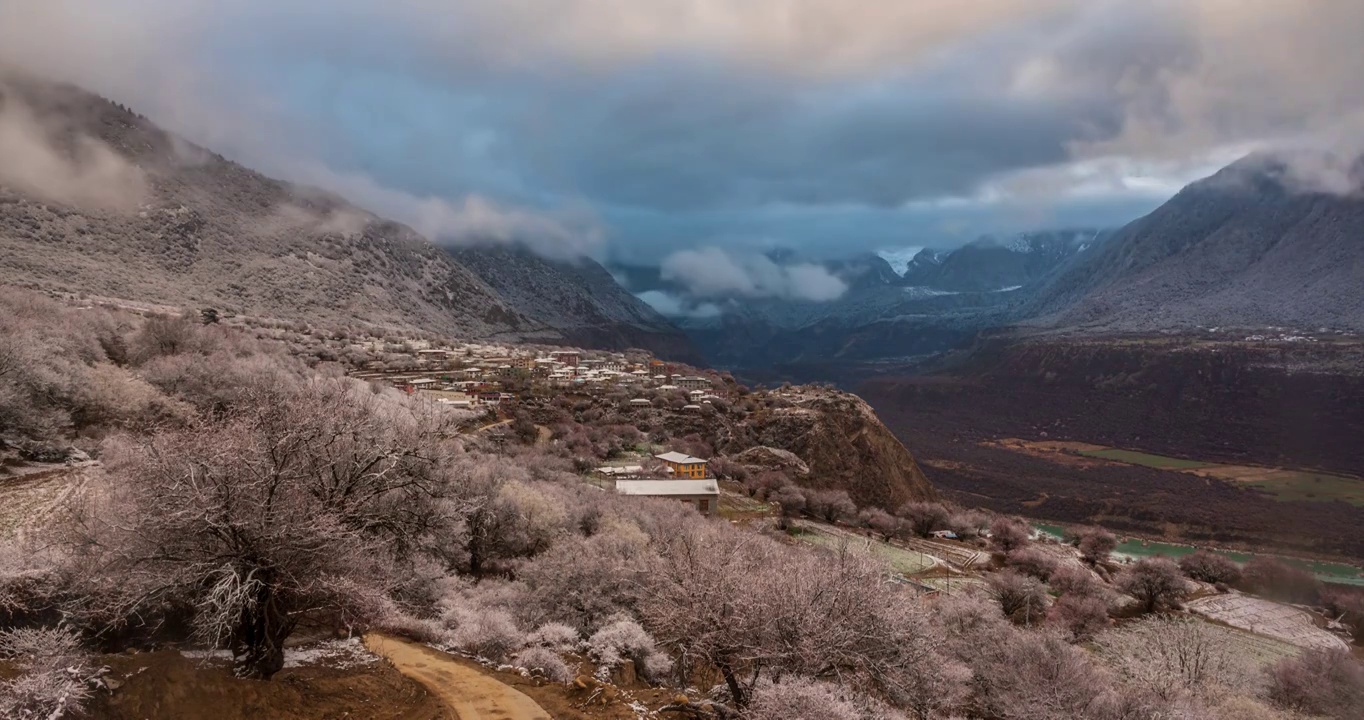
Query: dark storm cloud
<point>641,128</point>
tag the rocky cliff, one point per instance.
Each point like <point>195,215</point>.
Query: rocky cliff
<point>842,443</point>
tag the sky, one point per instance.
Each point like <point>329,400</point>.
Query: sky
<point>676,131</point>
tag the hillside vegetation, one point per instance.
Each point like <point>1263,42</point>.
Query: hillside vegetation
<point>243,492</point>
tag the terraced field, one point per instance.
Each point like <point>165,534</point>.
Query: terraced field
<point>904,561</point>
<point>1281,622</point>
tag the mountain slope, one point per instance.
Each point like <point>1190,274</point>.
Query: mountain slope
<point>198,231</point>
<point>95,199</point>
<point>991,263</point>
<point>1244,248</point>
<point>578,298</point>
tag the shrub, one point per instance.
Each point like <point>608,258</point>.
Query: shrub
<point>829,505</point>
<point>624,639</point>
<point>925,518</point>
<point>1081,616</point>
<point>1319,682</point>
<point>801,698</point>
<point>544,662</point>
<point>556,636</point>
<point>888,526</point>
<point>1022,599</point>
<point>1156,583</point>
<point>1210,567</point>
<point>1069,579</point>
<point>1033,561</point>
<point>485,632</point>
<point>1173,658</point>
<point>1008,533</point>
<point>1096,544</point>
<point>54,677</point>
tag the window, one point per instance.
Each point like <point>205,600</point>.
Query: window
<point>703,505</point>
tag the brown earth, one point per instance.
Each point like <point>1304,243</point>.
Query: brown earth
<point>165,684</point>
<point>1287,405</point>
<point>468,692</point>
<point>476,691</point>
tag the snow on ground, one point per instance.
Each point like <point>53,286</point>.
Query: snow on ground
<point>339,654</point>
<point>1268,618</point>
<point>899,258</point>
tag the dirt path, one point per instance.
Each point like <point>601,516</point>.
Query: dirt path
<point>468,692</point>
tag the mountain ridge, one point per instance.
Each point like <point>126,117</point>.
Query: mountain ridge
<point>196,230</point>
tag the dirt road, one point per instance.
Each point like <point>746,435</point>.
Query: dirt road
<point>470,694</point>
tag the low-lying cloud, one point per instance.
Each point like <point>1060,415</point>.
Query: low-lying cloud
<point>472,219</point>
<point>714,272</point>
<point>673,306</point>
<point>86,172</point>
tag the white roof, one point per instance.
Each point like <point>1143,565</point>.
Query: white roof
<point>667,487</point>
<point>677,457</point>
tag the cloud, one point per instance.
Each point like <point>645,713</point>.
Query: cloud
<point>473,219</point>
<point>80,170</point>
<point>713,272</point>
<point>596,123</point>
<point>672,306</point>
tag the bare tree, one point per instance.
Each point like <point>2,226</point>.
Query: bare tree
<point>1023,599</point>
<point>830,505</point>
<point>1210,567</point>
<point>302,506</point>
<point>1096,544</point>
<point>1008,533</point>
<point>1170,657</point>
<point>1082,616</point>
<point>1328,683</point>
<point>1155,582</point>
<point>791,500</point>
<point>888,526</point>
<point>1071,579</point>
<point>1034,676</point>
<point>925,518</point>
<point>1032,560</point>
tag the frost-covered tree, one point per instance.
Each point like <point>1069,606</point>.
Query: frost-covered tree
<point>303,505</point>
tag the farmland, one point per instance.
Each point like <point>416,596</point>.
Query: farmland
<point>1263,617</point>
<point>904,561</point>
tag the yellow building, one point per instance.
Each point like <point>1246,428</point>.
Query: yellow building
<point>685,466</point>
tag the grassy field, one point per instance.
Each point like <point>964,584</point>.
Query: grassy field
<point>1297,486</point>
<point>905,562</point>
<point>1132,457</point>
<point>1283,485</point>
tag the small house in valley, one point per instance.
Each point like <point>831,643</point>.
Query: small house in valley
<point>704,495</point>
<point>682,465</point>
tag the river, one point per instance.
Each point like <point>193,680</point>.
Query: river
<point>1329,572</point>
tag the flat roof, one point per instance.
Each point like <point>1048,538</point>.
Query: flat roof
<point>680,458</point>
<point>667,487</point>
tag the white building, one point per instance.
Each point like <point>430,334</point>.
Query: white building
<point>704,495</point>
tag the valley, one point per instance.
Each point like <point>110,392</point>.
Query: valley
<point>1232,443</point>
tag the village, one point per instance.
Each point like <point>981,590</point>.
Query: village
<point>494,379</point>
<point>474,376</point>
